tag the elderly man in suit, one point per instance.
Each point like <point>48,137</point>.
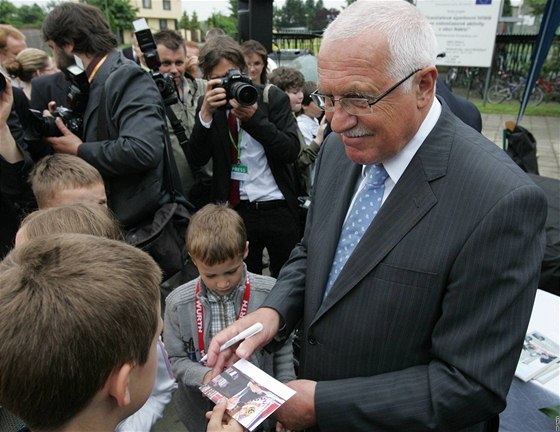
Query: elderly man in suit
<point>422,327</point>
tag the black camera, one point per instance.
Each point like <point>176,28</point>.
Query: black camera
<point>77,99</point>
<point>2,82</point>
<point>238,86</point>
<point>164,82</point>
<point>45,125</point>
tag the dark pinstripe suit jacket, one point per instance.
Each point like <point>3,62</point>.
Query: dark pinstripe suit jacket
<point>423,328</point>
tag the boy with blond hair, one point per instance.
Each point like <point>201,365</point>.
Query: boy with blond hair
<point>61,178</point>
<point>66,302</point>
<point>225,291</point>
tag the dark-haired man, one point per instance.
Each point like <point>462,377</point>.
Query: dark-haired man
<point>123,131</point>
<point>252,149</point>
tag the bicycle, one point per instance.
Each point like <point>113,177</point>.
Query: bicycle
<point>510,89</point>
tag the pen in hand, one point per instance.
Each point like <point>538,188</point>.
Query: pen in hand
<point>245,334</point>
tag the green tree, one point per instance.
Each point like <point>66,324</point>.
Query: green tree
<point>227,23</point>
<point>292,14</point>
<point>536,6</point>
<point>195,23</point>
<point>185,23</point>
<point>119,14</point>
<point>30,16</point>
<point>8,13</point>
<point>233,8</point>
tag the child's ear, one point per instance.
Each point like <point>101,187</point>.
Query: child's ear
<point>246,250</point>
<point>118,384</point>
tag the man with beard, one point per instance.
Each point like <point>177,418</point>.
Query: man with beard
<point>123,120</point>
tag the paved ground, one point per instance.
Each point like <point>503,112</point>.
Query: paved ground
<point>546,131</point>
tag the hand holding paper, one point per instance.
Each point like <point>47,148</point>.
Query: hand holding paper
<point>217,359</point>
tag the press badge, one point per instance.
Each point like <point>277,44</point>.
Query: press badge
<point>239,172</point>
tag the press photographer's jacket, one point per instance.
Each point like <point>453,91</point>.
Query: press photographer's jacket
<point>131,161</point>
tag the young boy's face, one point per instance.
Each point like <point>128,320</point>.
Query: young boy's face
<point>224,277</point>
<point>296,97</point>
<point>94,193</point>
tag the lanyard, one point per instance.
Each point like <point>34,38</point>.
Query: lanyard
<point>236,145</point>
<point>96,67</point>
<point>200,317</point>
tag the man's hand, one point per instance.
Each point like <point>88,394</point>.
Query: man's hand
<point>270,320</point>
<point>214,98</point>
<point>243,112</point>
<point>6,101</point>
<point>220,420</point>
<point>299,411</point>
<point>67,143</point>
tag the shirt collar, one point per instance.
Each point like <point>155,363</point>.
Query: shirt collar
<point>396,166</point>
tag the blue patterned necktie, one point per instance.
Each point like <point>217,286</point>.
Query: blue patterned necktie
<point>365,208</point>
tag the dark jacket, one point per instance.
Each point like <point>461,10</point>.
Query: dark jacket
<point>277,133</point>
<point>132,163</point>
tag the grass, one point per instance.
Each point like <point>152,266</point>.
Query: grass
<point>545,109</point>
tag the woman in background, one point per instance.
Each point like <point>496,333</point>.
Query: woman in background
<point>256,58</point>
<point>28,64</point>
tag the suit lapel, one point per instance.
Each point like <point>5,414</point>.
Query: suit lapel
<point>411,198</point>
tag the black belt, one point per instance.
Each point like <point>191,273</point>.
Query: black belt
<point>262,205</point>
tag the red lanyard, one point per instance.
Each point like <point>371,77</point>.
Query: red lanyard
<point>200,317</point>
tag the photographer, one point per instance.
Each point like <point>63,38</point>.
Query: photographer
<point>252,146</point>
<point>123,122</point>
<point>173,58</point>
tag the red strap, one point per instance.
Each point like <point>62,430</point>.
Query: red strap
<point>200,317</point>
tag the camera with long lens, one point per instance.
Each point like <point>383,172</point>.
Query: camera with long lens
<point>238,86</point>
<point>72,117</point>
<point>147,45</point>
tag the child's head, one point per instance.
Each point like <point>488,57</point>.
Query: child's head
<point>217,244</point>
<point>78,217</point>
<point>309,107</point>
<point>62,178</point>
<point>80,322</point>
<point>291,81</point>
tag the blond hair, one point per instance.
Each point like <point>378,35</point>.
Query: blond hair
<point>79,218</point>
<point>7,31</point>
<point>59,172</point>
<point>74,307</point>
<point>216,233</point>
<point>27,62</point>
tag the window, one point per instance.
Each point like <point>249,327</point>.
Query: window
<point>166,4</point>
<point>147,4</point>
<point>162,24</point>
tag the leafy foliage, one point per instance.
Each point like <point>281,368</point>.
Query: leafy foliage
<point>537,6</point>
<point>24,16</point>
<point>227,23</point>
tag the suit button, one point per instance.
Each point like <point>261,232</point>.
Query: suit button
<point>312,340</point>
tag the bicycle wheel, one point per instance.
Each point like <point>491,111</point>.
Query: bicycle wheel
<point>537,95</point>
<point>497,93</point>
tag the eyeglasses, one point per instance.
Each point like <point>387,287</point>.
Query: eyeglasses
<point>357,106</point>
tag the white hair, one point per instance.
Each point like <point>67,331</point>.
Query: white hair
<point>410,37</point>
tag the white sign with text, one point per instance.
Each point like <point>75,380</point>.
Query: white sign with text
<point>465,29</point>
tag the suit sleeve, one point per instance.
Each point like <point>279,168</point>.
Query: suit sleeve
<point>476,340</point>
<point>135,111</point>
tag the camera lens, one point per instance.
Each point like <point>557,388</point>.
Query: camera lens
<point>244,93</point>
